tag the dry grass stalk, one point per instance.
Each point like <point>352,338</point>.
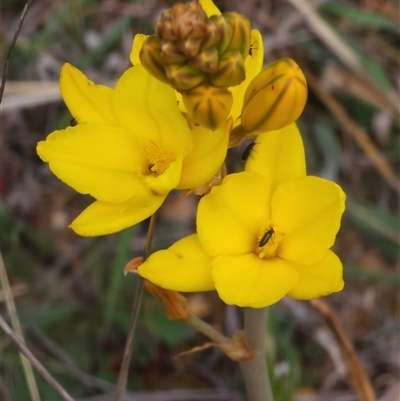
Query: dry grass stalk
<point>359,378</point>
<point>354,130</point>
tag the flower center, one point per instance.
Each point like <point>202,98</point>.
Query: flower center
<point>268,241</point>
<point>158,158</point>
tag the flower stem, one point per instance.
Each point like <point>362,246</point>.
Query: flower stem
<point>123,374</point>
<point>206,329</point>
<point>255,372</point>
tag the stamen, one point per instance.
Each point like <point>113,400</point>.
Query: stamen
<point>158,157</point>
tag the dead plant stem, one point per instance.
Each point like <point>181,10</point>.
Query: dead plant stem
<point>360,380</point>
<point>12,311</point>
<point>354,130</point>
<point>11,48</point>
<point>34,361</point>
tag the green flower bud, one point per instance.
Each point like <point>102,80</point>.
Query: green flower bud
<point>170,54</point>
<point>241,33</point>
<point>275,98</point>
<point>183,77</point>
<point>231,71</point>
<point>190,47</point>
<point>164,28</point>
<point>225,29</point>
<point>208,106</point>
<point>150,57</point>
<point>206,61</point>
<point>212,37</point>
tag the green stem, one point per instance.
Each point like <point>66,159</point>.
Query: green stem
<point>255,372</point>
<point>206,329</point>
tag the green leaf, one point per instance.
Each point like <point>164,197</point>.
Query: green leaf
<point>373,68</point>
<point>380,277</point>
<point>309,148</point>
<point>41,241</point>
<point>359,16</point>
<point>109,42</point>
<point>380,227</point>
<point>45,315</point>
<point>329,146</point>
<point>66,14</point>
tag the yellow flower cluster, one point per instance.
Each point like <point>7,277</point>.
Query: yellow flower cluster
<point>196,88</point>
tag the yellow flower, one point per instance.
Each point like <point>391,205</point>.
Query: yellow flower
<point>262,235</point>
<point>131,146</point>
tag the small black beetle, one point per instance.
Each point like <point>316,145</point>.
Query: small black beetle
<point>265,238</point>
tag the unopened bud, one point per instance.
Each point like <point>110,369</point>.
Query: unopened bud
<point>275,98</point>
<point>183,77</point>
<point>206,61</point>
<point>241,33</point>
<point>182,21</point>
<point>208,106</point>
<point>170,54</point>
<point>164,27</point>
<point>231,71</point>
<point>224,28</point>
<point>212,37</point>
<point>190,47</point>
<point>150,57</point>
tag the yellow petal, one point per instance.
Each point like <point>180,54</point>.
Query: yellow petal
<point>323,278</point>
<point>229,218</point>
<point>136,46</point>
<point>207,156</point>
<point>182,267</point>
<point>278,156</point>
<point>94,159</point>
<point>209,8</point>
<point>168,180</point>
<point>247,280</point>
<point>181,105</point>
<point>253,65</point>
<point>101,218</point>
<point>147,108</point>
<point>87,102</point>
<point>308,212</point>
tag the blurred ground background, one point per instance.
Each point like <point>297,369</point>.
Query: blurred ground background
<point>73,301</point>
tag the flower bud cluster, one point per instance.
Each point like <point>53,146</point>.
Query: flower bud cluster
<point>192,52</point>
